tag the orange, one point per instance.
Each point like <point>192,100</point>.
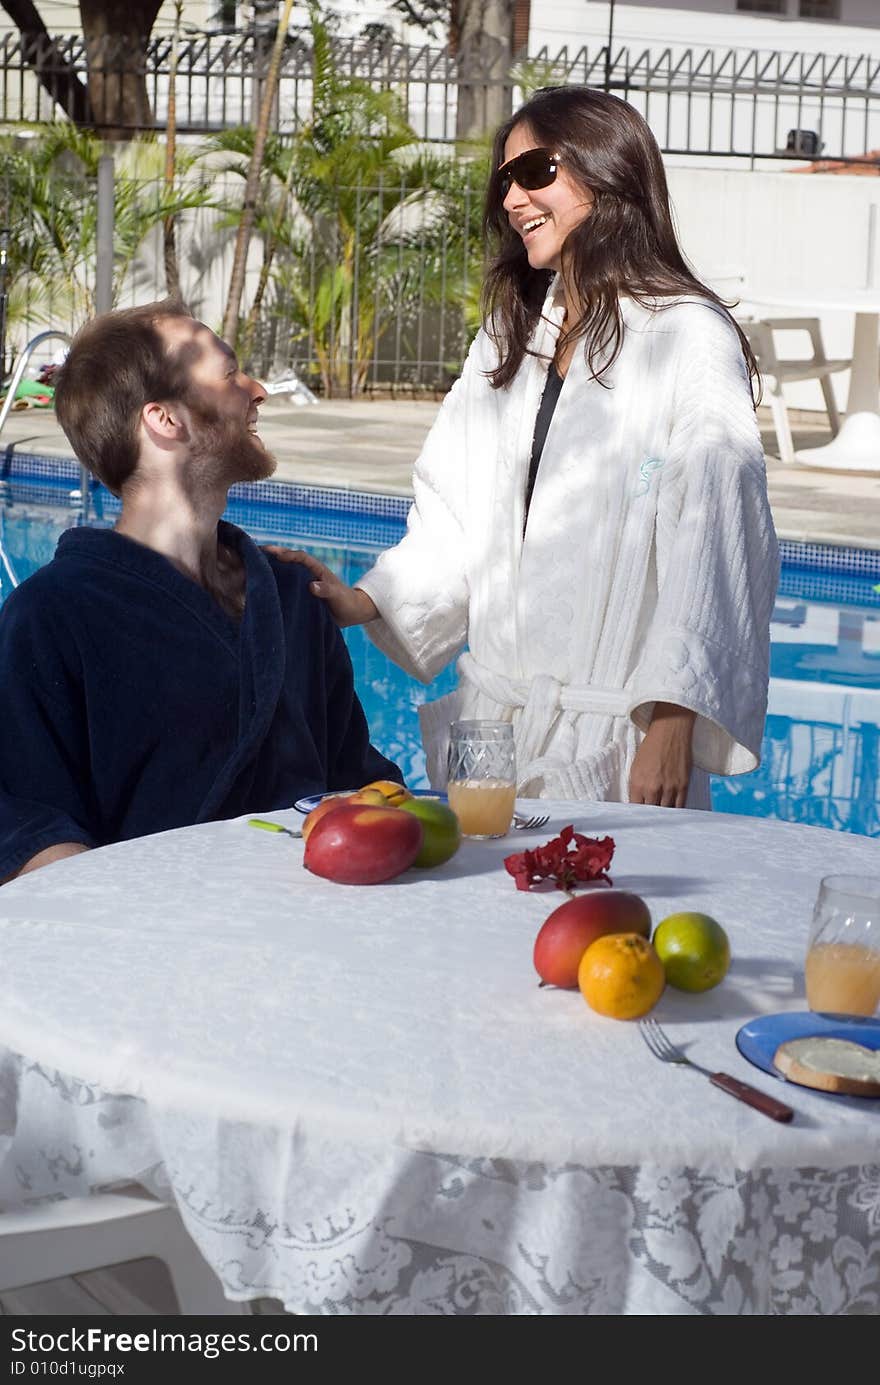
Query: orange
<point>694,950</point>
<point>394,794</point>
<point>621,976</point>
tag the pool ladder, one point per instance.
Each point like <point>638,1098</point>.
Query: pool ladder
<point>17,376</point>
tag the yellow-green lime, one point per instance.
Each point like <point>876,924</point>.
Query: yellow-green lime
<point>440,827</point>
<point>694,950</point>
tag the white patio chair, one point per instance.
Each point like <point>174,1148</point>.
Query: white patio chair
<point>776,372</point>
<point>730,281</point>
<point>78,1234</point>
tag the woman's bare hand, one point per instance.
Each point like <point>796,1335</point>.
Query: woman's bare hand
<point>661,768</point>
<point>348,605</point>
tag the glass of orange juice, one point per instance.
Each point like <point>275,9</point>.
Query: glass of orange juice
<point>842,969</point>
<point>482,776</point>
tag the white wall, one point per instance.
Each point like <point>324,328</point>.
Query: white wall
<point>354,15</point>
<point>851,11</point>
<point>577,22</point>
<point>560,22</point>
<point>720,122</point>
<point>789,234</point>
<point>62,17</point>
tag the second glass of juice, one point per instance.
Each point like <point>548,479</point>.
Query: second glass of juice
<point>482,776</point>
<point>842,969</point>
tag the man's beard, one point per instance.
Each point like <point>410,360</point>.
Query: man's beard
<point>224,451</point>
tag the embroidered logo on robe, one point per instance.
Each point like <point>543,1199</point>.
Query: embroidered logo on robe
<point>646,471</point>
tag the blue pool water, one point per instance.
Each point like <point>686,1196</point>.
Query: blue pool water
<point>821,753</point>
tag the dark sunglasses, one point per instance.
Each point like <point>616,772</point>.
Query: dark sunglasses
<point>534,169</point>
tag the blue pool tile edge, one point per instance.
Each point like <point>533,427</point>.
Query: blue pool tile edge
<point>825,556</point>
<point>26,466</point>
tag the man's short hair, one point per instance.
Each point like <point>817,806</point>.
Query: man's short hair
<point>117,363</point>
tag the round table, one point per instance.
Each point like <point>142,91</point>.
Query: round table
<point>362,1101</point>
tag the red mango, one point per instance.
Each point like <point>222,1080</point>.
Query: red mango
<point>569,930</point>
<point>363,845</point>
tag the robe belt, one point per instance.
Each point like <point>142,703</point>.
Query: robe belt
<point>540,698</point>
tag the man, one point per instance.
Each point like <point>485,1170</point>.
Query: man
<point>167,671</point>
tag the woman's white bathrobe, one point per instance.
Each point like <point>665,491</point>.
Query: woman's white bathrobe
<point>647,572</point>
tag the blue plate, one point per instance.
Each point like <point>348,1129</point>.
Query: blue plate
<point>758,1040</point>
<point>305,805</point>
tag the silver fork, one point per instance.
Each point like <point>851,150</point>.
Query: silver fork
<point>274,827</point>
<point>523,824</point>
<point>663,1048</point>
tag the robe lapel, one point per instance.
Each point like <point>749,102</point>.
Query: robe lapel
<point>576,553</point>
<point>495,579</point>
<point>177,591</point>
<point>261,658</point>
<point>524,392</point>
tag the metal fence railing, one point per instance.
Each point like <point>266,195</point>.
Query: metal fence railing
<point>746,102</point>
<point>751,104</point>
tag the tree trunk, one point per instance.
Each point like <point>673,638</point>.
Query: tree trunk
<point>265,15</point>
<point>269,249</point>
<point>53,70</point>
<point>485,54</point>
<point>252,185</point>
<point>116,33</point>
<point>169,237</point>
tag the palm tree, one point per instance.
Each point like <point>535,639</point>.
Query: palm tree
<point>169,225</point>
<point>362,228</point>
<point>50,180</point>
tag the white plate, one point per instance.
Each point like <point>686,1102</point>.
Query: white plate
<point>305,805</point>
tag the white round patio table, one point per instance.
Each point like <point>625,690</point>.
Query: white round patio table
<point>362,1102</point>
<point>857,445</point>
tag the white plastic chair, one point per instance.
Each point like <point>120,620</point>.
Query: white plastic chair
<point>730,282</point>
<point>78,1234</point>
<point>776,372</point>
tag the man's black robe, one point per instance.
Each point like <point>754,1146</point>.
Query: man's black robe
<point>130,702</point>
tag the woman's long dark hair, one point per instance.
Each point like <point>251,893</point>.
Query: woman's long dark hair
<point>627,245</point>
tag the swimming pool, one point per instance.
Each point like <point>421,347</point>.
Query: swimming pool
<point>821,752</point>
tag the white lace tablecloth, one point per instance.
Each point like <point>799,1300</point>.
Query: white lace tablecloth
<point>362,1102</point>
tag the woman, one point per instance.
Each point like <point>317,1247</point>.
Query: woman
<point>590,508</point>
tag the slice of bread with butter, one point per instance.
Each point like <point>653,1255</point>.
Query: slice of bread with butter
<point>830,1065</point>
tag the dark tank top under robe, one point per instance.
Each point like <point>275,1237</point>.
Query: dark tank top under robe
<point>542,423</point>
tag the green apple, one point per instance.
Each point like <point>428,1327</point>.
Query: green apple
<point>440,826</point>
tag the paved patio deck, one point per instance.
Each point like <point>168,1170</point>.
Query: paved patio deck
<point>371,445</point>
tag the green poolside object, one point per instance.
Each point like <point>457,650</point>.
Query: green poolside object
<point>31,387</point>
<point>41,396</point>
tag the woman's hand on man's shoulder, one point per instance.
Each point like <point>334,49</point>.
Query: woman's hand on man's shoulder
<point>347,605</point>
